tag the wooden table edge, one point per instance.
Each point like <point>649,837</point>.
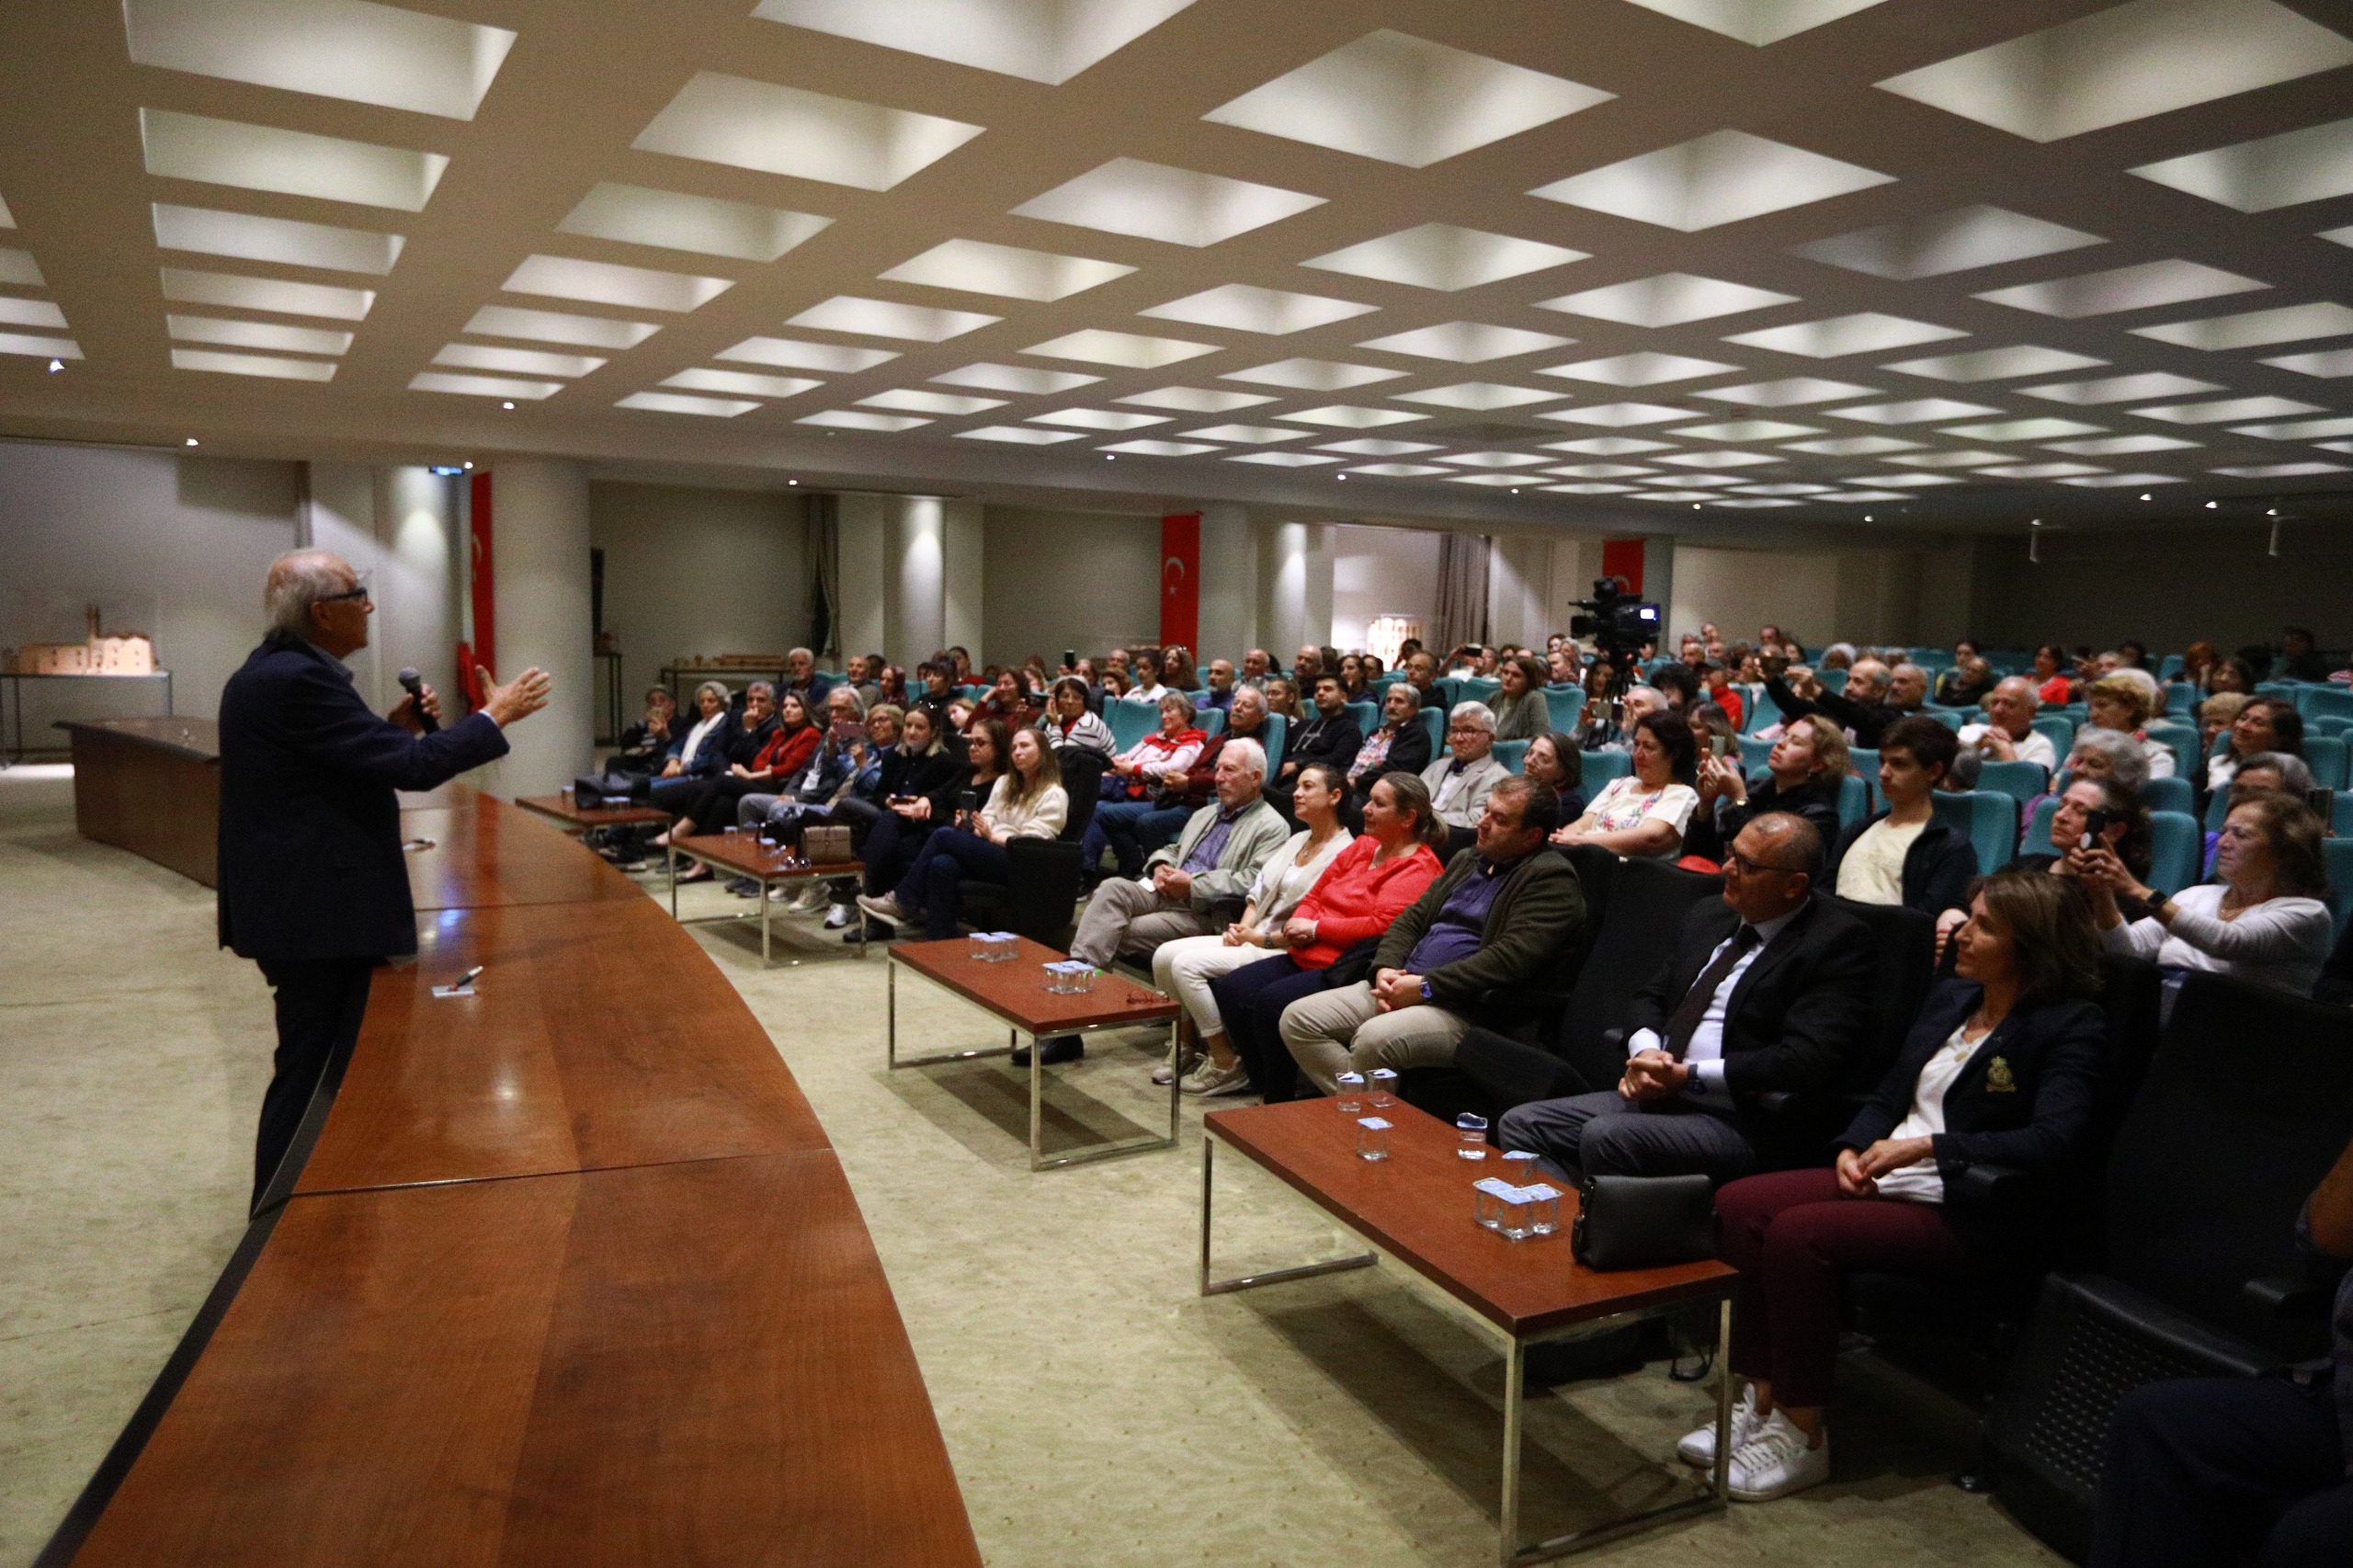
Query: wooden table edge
<point>1160,1012</point>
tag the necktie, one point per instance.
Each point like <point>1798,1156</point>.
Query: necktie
<point>1684,1022</point>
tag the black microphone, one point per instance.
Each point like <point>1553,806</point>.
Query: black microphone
<point>413,684</point>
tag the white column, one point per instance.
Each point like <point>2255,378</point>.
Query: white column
<point>1315,625</point>
<point>862,529</point>
<point>1519,581</point>
<point>1229,585</point>
<point>914,567</point>
<point>539,540</point>
<point>339,515</point>
<point>961,575</point>
<point>1282,589</point>
<point>416,575</point>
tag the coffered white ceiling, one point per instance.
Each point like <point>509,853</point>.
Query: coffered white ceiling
<point>1590,261</point>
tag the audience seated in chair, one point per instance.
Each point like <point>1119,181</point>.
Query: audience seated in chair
<point>1218,680</point>
<point>1806,769</point>
<point>1459,782</point>
<point>645,744</point>
<point>2121,703</point>
<point>2261,724</point>
<point>2008,734</point>
<point>1399,743</point>
<point>1643,813</point>
<point>805,680</point>
<point>1521,712</point>
<point>1329,735</point>
<point>1493,922</point>
<point>922,785</point>
<point>1130,829</point>
<point>1551,760</point>
<point>1904,855</point>
<point>1866,708</point>
<point>2091,812</point>
<point>1072,722</point>
<point>2002,1068</point>
<point>811,794</point>
<point>1025,801</point>
<point>1766,992</point>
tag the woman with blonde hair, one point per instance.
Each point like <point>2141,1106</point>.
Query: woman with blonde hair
<point>2121,703</point>
<point>1026,802</point>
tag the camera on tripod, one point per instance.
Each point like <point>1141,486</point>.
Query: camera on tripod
<point>1621,625</point>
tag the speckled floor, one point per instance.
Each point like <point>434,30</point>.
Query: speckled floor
<point>1098,1409</point>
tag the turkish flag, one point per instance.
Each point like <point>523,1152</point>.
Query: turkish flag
<point>1180,580</point>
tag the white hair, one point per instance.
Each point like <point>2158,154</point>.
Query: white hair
<point>1478,714</point>
<point>1249,753</point>
<point>298,580</point>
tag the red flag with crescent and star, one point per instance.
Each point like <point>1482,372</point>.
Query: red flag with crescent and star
<point>1180,580</point>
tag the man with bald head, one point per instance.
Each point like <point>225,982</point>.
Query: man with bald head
<point>2009,733</point>
<point>312,883</point>
<point>1865,708</point>
<point>1767,989</point>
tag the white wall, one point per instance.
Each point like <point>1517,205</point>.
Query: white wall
<point>1378,572</point>
<point>1917,593</point>
<point>693,571</point>
<point>398,527</point>
<point>1086,581</point>
<point>539,543</point>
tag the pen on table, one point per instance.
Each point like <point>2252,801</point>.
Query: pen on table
<point>466,979</point>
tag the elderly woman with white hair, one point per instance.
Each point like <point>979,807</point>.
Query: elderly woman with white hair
<point>1461,782</point>
<point>2121,703</point>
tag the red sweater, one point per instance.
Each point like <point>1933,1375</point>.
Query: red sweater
<point>1355,899</point>
<point>788,752</point>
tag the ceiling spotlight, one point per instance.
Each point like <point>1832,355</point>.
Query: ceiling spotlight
<point>2144,495</point>
<point>55,366</point>
<point>2211,506</point>
<point>508,406</point>
<point>1695,505</point>
<point>792,482</point>
<point>191,441</point>
<point>1341,477</point>
<point>1514,490</point>
<point>2271,512</point>
<point>1869,518</point>
<point>468,467</point>
<point>2034,522</point>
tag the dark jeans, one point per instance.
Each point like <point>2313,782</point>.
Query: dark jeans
<point>2202,1471</point>
<point>1251,1000</point>
<point>320,1003</point>
<point>675,795</point>
<point>934,884</point>
<point>1792,1234</point>
<point>1130,830</point>
<point>892,846</point>
<point>711,806</point>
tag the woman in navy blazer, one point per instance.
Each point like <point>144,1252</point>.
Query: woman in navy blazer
<point>2002,1067</point>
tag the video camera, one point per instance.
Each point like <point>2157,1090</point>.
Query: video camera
<point>1621,624</point>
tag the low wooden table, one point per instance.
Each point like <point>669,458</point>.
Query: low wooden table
<point>153,786</point>
<point>1416,1206</point>
<point>1015,993</point>
<point>740,855</point>
<point>573,817</point>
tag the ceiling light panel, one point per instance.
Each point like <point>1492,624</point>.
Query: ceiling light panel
<point>1467,343</point>
<point>1043,40</point>
<point>1855,446</point>
<point>672,403</point>
<point>1618,415</point>
<point>2330,363</point>
<point>909,400</point>
<point>2255,329</point>
<point>2121,388</point>
<point>2124,481</point>
<point>1671,299</point>
<point>1758,22</point>
<point>1243,307</point>
<point>1639,370</point>
<point>1400,470</point>
<point>2040,470</point>
<point>745,124</point>
<point>2310,165</point>
<point>1481,396</point>
<point>1782,490</point>
<point>41,312</point>
<point>1405,100</point>
<point>40,348</point>
<point>1919,411</point>
<point>672,219</point>
<point>1345,416</point>
<point>792,354</point>
<point>484,386</point>
<point>885,318</point>
<point>1315,375</point>
<point>292,163</point>
<point>2141,288</point>
<point>517,361</point>
<point>1794,391</point>
<point>1021,378</point>
<point>336,49</point>
<point>272,294</point>
<point>2126,64</point>
<point>1162,449</point>
<point>1445,257</point>
<point>973,266</point>
<point>609,283</point>
<point>1586,489</point>
<point>1717,460</point>
<point>1746,430</point>
<point>1377,447</point>
<point>2121,446</point>
<point>2023,430</point>
<point>2301,431</point>
<point>1282,459</point>
<point>18,267</point>
<point>855,419</point>
<point>262,365</point>
<point>1498,479</point>
<point>1126,349</point>
<point>1602,470</point>
<point>1495,460</point>
<point>1718,178</point>
<point>1866,332</point>
<point>1020,434</point>
<point>555,326</point>
<point>742,383</point>
<point>1153,201</point>
<point>1247,435</point>
<point>2280,471</point>
<point>1917,481</point>
<point>281,240</point>
<point>1942,243</point>
<point>1195,400</point>
<point>1858,497</point>
<point>1098,419</point>
<point>1996,364</point>
<point>1608,445</point>
<point>2225,409</point>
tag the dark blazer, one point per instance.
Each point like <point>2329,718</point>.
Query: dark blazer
<point>1334,739</point>
<point>1816,802</point>
<point>309,842</point>
<point>1868,720</point>
<point>1539,909</point>
<point>711,756</point>
<point>1938,868</point>
<point>1799,1016</point>
<point>1409,753</point>
<point>938,774</point>
<point>2024,1098</point>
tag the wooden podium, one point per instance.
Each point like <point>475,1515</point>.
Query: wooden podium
<point>153,786</point>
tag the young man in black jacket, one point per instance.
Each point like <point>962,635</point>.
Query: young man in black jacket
<point>1904,855</point>
<point>1330,736</point>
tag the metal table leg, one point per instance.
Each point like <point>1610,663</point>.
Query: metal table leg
<point>764,923</point>
<point>1274,1276</point>
<point>670,858</point>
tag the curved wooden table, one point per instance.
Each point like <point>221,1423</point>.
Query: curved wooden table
<point>568,1274</point>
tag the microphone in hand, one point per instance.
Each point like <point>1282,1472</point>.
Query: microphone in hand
<point>413,684</point>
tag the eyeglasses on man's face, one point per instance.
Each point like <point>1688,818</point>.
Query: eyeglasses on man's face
<point>356,591</point>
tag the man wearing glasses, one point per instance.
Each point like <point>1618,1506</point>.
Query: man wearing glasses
<point>313,887</point>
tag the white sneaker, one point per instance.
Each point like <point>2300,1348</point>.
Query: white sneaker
<point>1700,1447</point>
<point>1176,1067</point>
<point>1776,1463</point>
<point>808,901</point>
<point>838,916</point>
<point>1209,1081</point>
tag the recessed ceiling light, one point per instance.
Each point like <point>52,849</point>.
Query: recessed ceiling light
<point>2121,480</point>
<point>2255,329</point>
<point>1019,435</point>
<point>1618,415</point>
<point>2121,388</point>
<point>1444,256</point>
<point>1043,40</point>
<point>2329,363</point>
<point>1758,22</point>
<point>744,384</point>
<point>886,318</point>
<point>2279,470</point>
<point>18,267</point>
<point>1243,307</point>
<point>281,240</point>
<point>2295,167</point>
<point>1482,396</point>
<point>191,441</point>
<point>1466,343</point>
<point>1948,460</point>
<point>267,366</point>
<point>1377,447</point>
<point>1716,460</point>
<point>973,266</point>
<point>2223,409</point>
<point>518,362</point>
<point>1608,445</point>
<point>1671,299</point>
<point>1399,470</point>
<point>1195,400</point>
<point>1344,416</point>
<point>1603,471</point>
<point>1162,449</point>
<point>1022,379</point>
<point>1994,364</point>
<point>671,220</point>
<point>1944,243</point>
<point>1586,489</point>
<point>1098,419</point>
<point>608,283</point>
<point>1639,369</point>
<point>1128,350</point>
<point>1718,178</point>
<point>2041,471</point>
<point>1247,435</point>
<point>1405,100</point>
<point>2139,287</point>
<point>792,354</point>
<point>555,326</point>
<point>745,124</point>
<point>2299,430</point>
<point>1746,430</point>
<point>674,403</point>
<point>1282,459</point>
<point>293,162</point>
<point>1153,201</point>
<point>1792,392</point>
<point>856,419</point>
<point>2120,446</point>
<point>1495,460</point>
<point>908,400</point>
<point>1315,375</point>
<point>507,407</point>
<point>1855,446</point>
<point>1793,489</point>
<point>2125,64</point>
<point>1912,481</point>
<point>1919,411</point>
<point>2023,430</point>
<point>335,48</point>
<point>1863,332</point>
<point>41,313</point>
<point>484,386</point>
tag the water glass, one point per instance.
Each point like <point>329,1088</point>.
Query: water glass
<point>1373,1137</point>
<point>982,948</point>
<point>1520,1167</point>
<point>1543,1208</point>
<point>1057,977</point>
<point>1351,1093</point>
<point>1486,1201</point>
<point>1385,1090</point>
<point>1471,1130</point>
<point>1080,978</point>
<point>1514,1222</point>
<point>731,830</point>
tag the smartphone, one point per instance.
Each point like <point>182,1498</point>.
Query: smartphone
<point>970,800</point>
<point>2095,823</point>
<point>848,730</point>
<point>1719,745</point>
<point>1618,711</point>
<point>1070,658</point>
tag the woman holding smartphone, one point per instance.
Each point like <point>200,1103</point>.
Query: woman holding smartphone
<point>921,781</point>
<point>1023,801</point>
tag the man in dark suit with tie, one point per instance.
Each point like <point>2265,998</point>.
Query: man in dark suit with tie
<point>313,887</point>
<point>1768,991</point>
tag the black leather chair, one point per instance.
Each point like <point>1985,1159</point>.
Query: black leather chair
<point>1040,901</point>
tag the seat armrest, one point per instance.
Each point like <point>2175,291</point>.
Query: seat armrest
<point>1995,1183</point>
<point>2291,1298</point>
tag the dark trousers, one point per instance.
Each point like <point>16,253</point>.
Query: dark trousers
<point>934,884</point>
<point>892,846</point>
<point>1251,1000</point>
<point>320,1003</point>
<point>1792,1234</point>
<point>2203,1470</point>
<point>1130,830</point>
<point>675,795</point>
<point>712,805</point>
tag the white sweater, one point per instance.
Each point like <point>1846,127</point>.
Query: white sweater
<point>1041,817</point>
<point>2281,942</point>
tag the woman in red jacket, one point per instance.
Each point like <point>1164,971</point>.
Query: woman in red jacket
<point>788,751</point>
<point>1359,895</point>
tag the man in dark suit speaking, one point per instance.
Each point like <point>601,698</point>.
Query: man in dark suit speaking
<point>313,887</point>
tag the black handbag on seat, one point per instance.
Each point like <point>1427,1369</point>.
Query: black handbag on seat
<point>1644,1221</point>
